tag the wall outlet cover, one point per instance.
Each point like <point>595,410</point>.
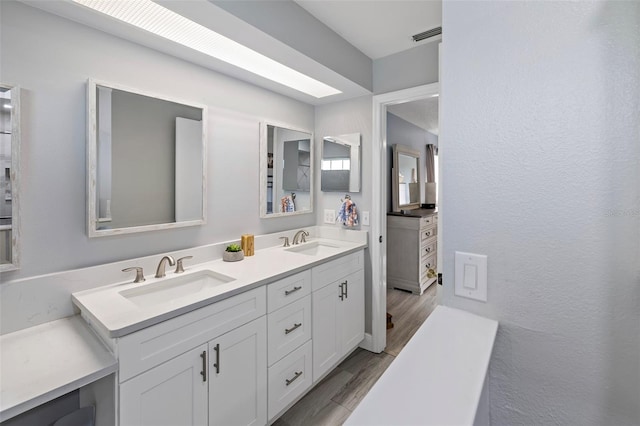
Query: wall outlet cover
<point>329,216</point>
<point>365,218</point>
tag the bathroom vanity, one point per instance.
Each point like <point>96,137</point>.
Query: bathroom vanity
<point>412,250</point>
<point>240,342</point>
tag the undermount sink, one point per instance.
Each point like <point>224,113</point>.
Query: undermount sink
<point>174,289</point>
<point>313,248</point>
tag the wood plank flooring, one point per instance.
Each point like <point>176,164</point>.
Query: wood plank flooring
<point>332,400</point>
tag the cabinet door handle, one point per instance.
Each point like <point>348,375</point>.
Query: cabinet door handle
<point>293,379</point>
<point>217,363</point>
<point>203,355</point>
<point>346,289</point>
<point>295,326</point>
<point>293,290</point>
<point>341,296</point>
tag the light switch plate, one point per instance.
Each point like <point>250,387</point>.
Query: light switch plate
<point>329,216</point>
<point>365,218</point>
<point>471,275</point>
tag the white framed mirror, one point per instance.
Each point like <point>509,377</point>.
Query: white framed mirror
<point>146,161</point>
<point>9,177</point>
<point>405,178</point>
<point>340,166</point>
<point>286,170</point>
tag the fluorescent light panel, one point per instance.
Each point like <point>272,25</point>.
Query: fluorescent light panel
<point>161,21</point>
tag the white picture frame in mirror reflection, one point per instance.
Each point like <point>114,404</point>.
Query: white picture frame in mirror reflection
<point>340,165</point>
<point>10,134</point>
<point>286,170</point>
<point>146,161</point>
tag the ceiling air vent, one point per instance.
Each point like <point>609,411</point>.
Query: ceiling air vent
<point>427,34</point>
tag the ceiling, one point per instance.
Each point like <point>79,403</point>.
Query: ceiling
<point>377,28</point>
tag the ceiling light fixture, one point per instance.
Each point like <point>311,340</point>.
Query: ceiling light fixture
<point>163,22</point>
<point>7,106</point>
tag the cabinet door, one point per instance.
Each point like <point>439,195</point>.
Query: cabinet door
<point>325,324</point>
<point>351,325</point>
<point>238,379</point>
<point>173,393</point>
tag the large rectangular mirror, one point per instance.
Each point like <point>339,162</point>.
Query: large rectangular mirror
<point>286,170</point>
<point>406,178</point>
<point>340,168</point>
<point>146,161</point>
<point>9,177</point>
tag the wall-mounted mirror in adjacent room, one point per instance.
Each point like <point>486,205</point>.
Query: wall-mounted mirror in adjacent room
<point>340,167</point>
<point>406,178</point>
<point>9,177</point>
<point>146,161</point>
<point>286,171</point>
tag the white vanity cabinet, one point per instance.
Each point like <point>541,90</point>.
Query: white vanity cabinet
<point>167,380</point>
<point>412,250</point>
<point>338,310</point>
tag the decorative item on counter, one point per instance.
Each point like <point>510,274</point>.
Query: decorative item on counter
<point>348,213</point>
<point>247,243</point>
<point>233,253</point>
<point>288,203</point>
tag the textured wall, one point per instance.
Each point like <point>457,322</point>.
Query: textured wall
<point>540,146</point>
<point>409,68</point>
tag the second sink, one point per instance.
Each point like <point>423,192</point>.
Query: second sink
<point>171,289</point>
<point>313,248</point>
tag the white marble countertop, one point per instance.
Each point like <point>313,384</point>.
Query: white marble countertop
<point>117,316</point>
<point>41,363</point>
<point>438,377</point>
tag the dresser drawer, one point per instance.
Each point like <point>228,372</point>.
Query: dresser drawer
<point>288,328</point>
<point>426,264</point>
<point>289,378</point>
<point>288,290</point>
<point>427,221</point>
<point>144,349</point>
<point>427,233</point>
<point>428,248</point>
<point>334,270</point>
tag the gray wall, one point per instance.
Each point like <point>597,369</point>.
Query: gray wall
<point>413,67</point>
<point>51,59</point>
<point>402,132</point>
<point>540,145</point>
<point>351,116</point>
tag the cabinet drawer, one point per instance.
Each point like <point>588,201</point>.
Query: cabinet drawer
<point>427,221</point>
<point>428,248</point>
<point>154,345</point>
<point>329,272</point>
<point>427,233</point>
<point>426,264</point>
<point>289,378</point>
<point>288,290</point>
<point>288,328</point>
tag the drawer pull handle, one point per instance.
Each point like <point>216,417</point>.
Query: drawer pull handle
<point>217,363</point>
<point>293,290</point>
<point>295,326</point>
<point>293,379</point>
<point>428,249</point>
<point>203,355</point>
<point>428,234</point>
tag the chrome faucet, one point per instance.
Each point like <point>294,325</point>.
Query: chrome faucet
<point>161,266</point>
<point>300,237</point>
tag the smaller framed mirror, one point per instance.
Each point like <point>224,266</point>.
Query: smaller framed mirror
<point>146,161</point>
<point>405,178</point>
<point>340,167</point>
<point>286,170</point>
<point>9,177</point>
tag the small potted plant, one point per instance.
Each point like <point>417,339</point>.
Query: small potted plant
<point>233,253</point>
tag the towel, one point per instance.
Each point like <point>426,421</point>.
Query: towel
<point>348,213</point>
<point>287,205</point>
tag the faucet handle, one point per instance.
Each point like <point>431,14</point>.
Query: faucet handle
<point>179,268</point>
<point>139,273</point>
<point>303,235</point>
<point>286,241</point>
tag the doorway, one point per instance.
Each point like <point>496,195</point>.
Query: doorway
<point>379,207</point>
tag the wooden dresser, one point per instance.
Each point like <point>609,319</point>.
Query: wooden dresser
<point>412,250</point>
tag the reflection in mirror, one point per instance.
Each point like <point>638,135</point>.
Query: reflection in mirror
<point>9,177</point>
<point>406,178</point>
<point>340,170</point>
<point>146,156</point>
<point>286,171</point>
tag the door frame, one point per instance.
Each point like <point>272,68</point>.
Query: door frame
<point>379,207</point>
